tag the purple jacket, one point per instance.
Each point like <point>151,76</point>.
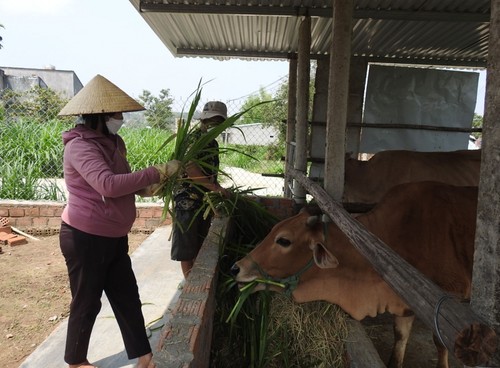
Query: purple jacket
<point>101,187</point>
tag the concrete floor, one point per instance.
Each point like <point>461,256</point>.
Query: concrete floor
<point>158,278</point>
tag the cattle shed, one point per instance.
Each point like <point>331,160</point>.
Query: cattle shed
<point>345,38</point>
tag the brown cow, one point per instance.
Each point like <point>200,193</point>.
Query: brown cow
<point>431,225</point>
<point>367,181</point>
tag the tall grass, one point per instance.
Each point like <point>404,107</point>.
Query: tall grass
<point>143,146</point>
<point>31,151</point>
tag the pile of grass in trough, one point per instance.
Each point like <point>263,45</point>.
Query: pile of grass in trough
<point>272,331</point>
<point>306,335</point>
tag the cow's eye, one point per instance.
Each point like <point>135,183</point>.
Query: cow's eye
<point>284,242</point>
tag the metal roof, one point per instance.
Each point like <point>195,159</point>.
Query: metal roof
<point>438,32</point>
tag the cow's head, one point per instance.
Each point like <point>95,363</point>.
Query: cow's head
<point>287,252</point>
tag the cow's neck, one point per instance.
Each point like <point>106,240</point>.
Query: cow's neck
<point>359,296</point>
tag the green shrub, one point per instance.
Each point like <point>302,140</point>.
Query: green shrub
<point>264,159</point>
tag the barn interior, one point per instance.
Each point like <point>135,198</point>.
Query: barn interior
<point>389,75</point>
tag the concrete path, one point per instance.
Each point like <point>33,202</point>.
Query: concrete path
<point>158,278</point>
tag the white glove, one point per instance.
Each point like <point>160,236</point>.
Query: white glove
<point>151,190</point>
<point>168,169</point>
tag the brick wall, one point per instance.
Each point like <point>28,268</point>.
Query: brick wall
<point>44,218</point>
<point>186,337</point>
<point>280,207</point>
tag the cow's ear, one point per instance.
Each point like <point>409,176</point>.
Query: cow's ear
<point>323,257</point>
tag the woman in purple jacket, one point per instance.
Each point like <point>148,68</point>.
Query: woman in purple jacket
<point>97,218</point>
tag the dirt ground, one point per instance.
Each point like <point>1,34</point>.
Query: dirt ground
<point>420,351</point>
<point>34,295</point>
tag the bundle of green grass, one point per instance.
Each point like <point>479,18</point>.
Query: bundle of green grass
<point>186,148</point>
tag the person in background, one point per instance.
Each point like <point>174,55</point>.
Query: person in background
<point>97,218</point>
<point>190,228</point>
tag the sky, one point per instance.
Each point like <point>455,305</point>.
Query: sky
<point>109,37</point>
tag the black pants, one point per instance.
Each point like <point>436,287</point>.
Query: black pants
<point>189,233</point>
<point>96,264</point>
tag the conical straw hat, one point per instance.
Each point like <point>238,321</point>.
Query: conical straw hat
<point>100,96</point>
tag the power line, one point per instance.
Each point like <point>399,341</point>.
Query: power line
<point>255,92</point>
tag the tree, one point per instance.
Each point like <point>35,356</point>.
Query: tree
<point>477,122</point>
<point>274,113</point>
<point>1,26</point>
<point>158,109</point>
<point>37,104</point>
<point>264,113</point>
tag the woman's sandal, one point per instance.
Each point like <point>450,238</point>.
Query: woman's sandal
<point>87,365</point>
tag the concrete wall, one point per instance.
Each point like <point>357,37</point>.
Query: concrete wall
<point>255,134</point>
<point>22,84</point>
<point>65,82</point>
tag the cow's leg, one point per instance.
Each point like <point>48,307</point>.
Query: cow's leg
<point>402,328</point>
<point>442,353</point>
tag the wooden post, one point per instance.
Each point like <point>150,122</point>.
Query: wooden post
<point>486,273</point>
<point>338,90</point>
<point>290,125</point>
<point>317,141</point>
<point>360,348</point>
<point>303,78</point>
<point>471,340</point>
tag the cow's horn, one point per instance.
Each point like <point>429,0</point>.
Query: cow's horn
<point>312,220</point>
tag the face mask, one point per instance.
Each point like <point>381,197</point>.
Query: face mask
<point>114,125</point>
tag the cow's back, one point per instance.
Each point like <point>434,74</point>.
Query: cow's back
<point>368,181</point>
<point>432,226</point>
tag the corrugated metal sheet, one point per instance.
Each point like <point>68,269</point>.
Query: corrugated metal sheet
<point>425,31</point>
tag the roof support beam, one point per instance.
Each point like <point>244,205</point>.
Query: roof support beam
<point>233,9</point>
<point>287,55</point>
<point>295,11</point>
<point>427,16</point>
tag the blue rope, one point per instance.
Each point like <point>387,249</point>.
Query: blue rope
<point>290,283</point>
<point>436,316</point>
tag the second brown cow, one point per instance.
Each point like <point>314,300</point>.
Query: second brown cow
<point>367,181</point>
